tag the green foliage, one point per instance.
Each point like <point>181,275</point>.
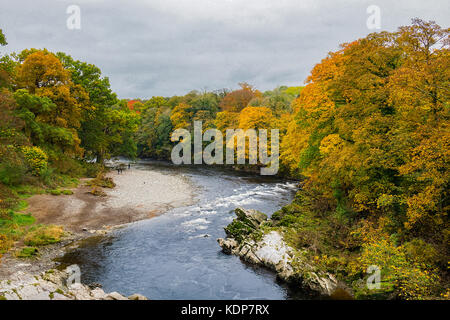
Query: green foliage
<point>93,169</point>
<point>2,39</point>
<point>12,227</point>
<point>11,174</point>
<point>27,252</point>
<point>238,230</point>
<point>55,192</point>
<point>155,103</point>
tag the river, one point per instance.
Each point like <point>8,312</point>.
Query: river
<point>176,255</point>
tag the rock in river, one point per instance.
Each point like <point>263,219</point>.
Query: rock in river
<point>273,252</point>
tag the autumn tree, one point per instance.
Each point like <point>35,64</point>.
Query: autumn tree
<point>370,134</point>
<point>42,75</point>
<point>155,103</point>
<point>255,118</point>
<point>237,100</point>
<point>108,126</point>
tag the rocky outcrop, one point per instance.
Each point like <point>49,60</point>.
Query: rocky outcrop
<point>251,217</point>
<point>271,251</point>
<point>52,285</point>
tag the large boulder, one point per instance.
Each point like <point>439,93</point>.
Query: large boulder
<point>252,218</point>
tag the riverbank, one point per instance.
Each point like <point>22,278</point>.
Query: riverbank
<point>138,195</point>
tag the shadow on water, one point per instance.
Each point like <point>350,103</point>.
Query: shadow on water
<point>175,255</point>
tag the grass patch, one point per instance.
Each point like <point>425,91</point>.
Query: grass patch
<point>58,192</point>
<point>27,252</point>
<point>55,192</point>
<point>11,220</point>
<point>21,205</point>
<point>12,227</point>
<point>41,235</point>
<point>26,191</point>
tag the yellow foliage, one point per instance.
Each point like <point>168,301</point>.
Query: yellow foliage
<point>226,120</point>
<point>36,159</point>
<point>181,116</point>
<point>413,280</point>
<point>255,118</point>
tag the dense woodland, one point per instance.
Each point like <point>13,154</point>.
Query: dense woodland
<point>368,136</point>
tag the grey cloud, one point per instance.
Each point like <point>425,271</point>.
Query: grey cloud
<point>168,47</point>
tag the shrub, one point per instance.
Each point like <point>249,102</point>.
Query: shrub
<point>12,165</point>
<point>8,199</point>
<point>98,192</point>
<point>11,174</point>
<point>36,159</point>
<point>93,169</point>
<point>47,176</point>
<point>66,165</point>
<point>409,279</point>
<point>5,243</point>
<point>102,181</point>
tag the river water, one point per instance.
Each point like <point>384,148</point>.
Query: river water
<point>176,255</point>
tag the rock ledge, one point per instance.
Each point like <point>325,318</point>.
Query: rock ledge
<point>51,285</point>
<point>271,251</point>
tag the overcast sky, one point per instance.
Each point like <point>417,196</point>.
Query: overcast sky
<point>169,47</point>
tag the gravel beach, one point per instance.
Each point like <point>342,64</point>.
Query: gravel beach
<point>138,195</point>
<point>148,191</point>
